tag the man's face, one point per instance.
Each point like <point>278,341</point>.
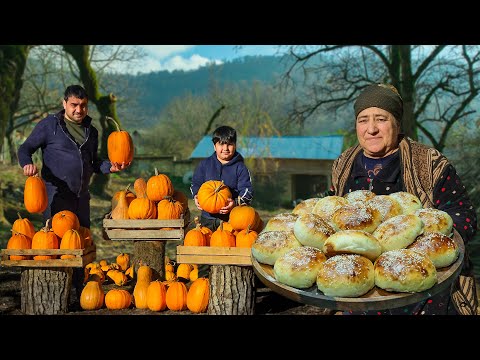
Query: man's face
<point>377,132</point>
<point>224,151</point>
<point>76,109</point>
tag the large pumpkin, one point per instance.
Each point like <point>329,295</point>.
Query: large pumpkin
<point>159,186</point>
<point>45,239</point>
<point>142,208</point>
<point>198,295</point>
<point>119,145</point>
<point>213,195</point>
<point>64,220</point>
<point>176,297</point>
<point>92,296</point>
<point>19,241</point>
<point>23,226</point>
<point>156,296</point>
<point>70,240</point>
<point>116,299</point>
<point>242,216</point>
<point>35,195</point>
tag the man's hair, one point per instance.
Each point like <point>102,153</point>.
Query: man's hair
<point>76,91</point>
<point>224,135</point>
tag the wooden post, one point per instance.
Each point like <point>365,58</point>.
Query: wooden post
<point>232,290</point>
<point>45,291</point>
<point>151,253</point>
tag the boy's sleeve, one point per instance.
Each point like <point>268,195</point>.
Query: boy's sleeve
<point>198,179</point>
<point>245,188</point>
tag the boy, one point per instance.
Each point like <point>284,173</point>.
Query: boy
<point>224,164</point>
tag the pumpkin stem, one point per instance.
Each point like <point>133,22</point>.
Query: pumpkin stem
<point>156,171</point>
<point>114,121</point>
<point>19,216</point>
<point>219,187</point>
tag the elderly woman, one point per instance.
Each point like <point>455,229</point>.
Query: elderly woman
<point>385,161</point>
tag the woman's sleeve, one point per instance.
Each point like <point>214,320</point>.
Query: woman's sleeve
<point>451,196</point>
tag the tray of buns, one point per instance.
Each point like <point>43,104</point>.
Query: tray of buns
<point>374,299</point>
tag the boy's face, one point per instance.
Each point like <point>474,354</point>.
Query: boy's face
<point>224,151</point>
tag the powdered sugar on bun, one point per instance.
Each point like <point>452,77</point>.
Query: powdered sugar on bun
<point>436,220</point>
<point>270,245</point>
<point>442,250</point>
<point>312,230</point>
<point>356,217</point>
<point>281,222</point>
<point>305,207</point>
<point>398,232</point>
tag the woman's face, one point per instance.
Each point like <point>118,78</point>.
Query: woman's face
<point>377,132</point>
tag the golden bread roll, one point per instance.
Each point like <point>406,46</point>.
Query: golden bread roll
<point>398,232</point>
<point>325,207</point>
<point>312,230</point>
<point>352,242</point>
<point>356,216</point>
<point>386,205</point>
<point>436,220</point>
<point>359,196</point>
<point>409,202</point>
<point>346,276</point>
<point>442,250</point>
<point>281,222</point>
<point>404,270</point>
<point>270,245</point>
<point>299,267</point>
<point>305,207</point>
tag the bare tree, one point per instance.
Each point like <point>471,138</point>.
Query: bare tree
<point>438,83</point>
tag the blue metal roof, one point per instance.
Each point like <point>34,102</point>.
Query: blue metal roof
<point>286,147</point>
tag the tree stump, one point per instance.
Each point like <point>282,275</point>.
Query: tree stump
<point>151,253</point>
<point>45,291</point>
<point>232,290</point>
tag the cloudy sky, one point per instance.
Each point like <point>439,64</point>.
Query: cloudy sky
<point>190,57</point>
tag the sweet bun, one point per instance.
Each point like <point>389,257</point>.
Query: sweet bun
<point>312,230</point>
<point>281,222</point>
<point>356,217</point>
<point>359,195</point>
<point>270,245</point>
<point>398,232</point>
<point>442,250</point>
<point>352,242</point>
<point>409,202</point>
<point>404,270</point>
<point>305,207</point>
<point>436,220</point>
<point>346,276</point>
<point>325,207</point>
<point>386,205</point>
<point>299,267</point>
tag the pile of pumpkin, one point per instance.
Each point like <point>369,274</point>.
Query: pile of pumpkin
<point>155,198</point>
<point>63,231</point>
<point>154,295</point>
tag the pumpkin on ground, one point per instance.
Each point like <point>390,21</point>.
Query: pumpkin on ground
<point>213,195</point>
<point>92,296</point>
<point>116,299</point>
<point>198,295</point>
<point>156,296</point>
<point>176,297</point>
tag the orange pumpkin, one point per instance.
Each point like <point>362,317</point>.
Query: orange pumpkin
<point>92,296</point>
<point>159,186</point>
<point>242,216</point>
<point>123,260</point>
<point>246,238</point>
<point>70,240</point>
<point>180,196</point>
<point>222,238</point>
<point>140,187</point>
<point>205,230</point>
<point>45,239</point>
<point>140,294</point>
<point>119,145</point>
<point>213,195</point>
<point>169,208</point>
<point>176,297</point>
<point>64,220</point>
<point>129,196</point>
<point>19,241</point>
<point>86,235</point>
<point>118,299</point>
<point>35,194</point>
<point>195,237</point>
<point>198,295</point>
<point>142,208</point>
<point>23,226</point>
<point>156,296</point>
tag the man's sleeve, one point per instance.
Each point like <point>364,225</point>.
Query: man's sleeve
<point>99,165</point>
<point>31,144</point>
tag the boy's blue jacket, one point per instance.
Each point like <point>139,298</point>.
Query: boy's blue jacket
<point>234,174</point>
<point>65,164</point>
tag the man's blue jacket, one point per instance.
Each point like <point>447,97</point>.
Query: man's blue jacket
<point>66,165</point>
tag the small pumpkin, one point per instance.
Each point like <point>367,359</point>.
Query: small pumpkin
<point>92,296</point>
<point>195,237</point>
<point>183,271</point>
<point>169,208</point>
<point>35,195</point>
<point>242,216</point>
<point>246,238</point>
<point>70,240</point>
<point>205,230</point>
<point>116,299</point>
<point>156,296</point>
<point>45,239</point>
<point>19,241</point>
<point>159,186</point>
<point>176,297</point>
<point>23,226</point>
<point>123,260</point>
<point>222,238</point>
<point>119,145</point>
<point>140,187</point>
<point>144,273</point>
<point>64,220</point>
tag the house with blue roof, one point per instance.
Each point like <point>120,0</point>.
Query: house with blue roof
<point>302,164</point>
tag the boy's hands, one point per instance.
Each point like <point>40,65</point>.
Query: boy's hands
<point>227,208</point>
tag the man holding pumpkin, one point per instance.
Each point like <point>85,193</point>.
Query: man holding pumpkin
<point>69,144</point>
<point>227,165</point>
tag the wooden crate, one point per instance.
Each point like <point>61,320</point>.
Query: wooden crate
<point>151,229</point>
<point>214,255</point>
<point>82,257</point>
